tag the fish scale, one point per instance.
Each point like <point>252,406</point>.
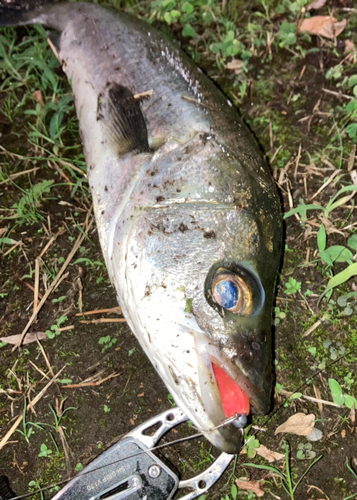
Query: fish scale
<point>183,201</point>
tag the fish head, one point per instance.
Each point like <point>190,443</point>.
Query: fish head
<point>198,291</point>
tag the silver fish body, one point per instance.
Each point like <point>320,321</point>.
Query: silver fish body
<point>186,210</point>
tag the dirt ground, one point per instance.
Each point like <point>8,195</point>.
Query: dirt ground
<point>106,383</point>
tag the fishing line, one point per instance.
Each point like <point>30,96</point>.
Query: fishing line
<point>194,436</point>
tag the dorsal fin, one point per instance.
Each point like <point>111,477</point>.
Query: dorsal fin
<point>121,114</point>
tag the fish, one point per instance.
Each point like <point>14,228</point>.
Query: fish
<point>188,216</point>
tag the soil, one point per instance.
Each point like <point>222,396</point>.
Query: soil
<point>103,412</point>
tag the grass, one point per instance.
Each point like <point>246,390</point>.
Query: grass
<point>277,79</point>
<point>286,479</point>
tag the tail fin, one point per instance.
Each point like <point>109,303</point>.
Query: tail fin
<point>16,12</point>
<point>51,13</point>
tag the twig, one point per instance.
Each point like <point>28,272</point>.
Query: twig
<point>275,154</point>
<point>65,328</point>
<point>13,248</point>
<point>338,94</point>
<point>65,449</point>
<point>54,50</point>
<point>14,176</point>
<point>39,369</point>
<point>100,311</point>
<point>29,407</point>
<point>45,356</point>
<point>65,446</point>
<point>91,384</point>
<point>37,285</point>
<point>310,398</point>
<point>318,396</point>
<point>104,320</point>
<point>143,95</point>
<point>28,285</point>
<point>55,281</point>
<point>329,180</point>
<point>325,317</point>
<point>52,240</point>
<point>351,159</point>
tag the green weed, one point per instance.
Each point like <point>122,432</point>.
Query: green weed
<point>55,329</point>
<point>27,426</point>
<point>45,452</point>
<point>58,418</point>
<point>27,207</point>
<point>339,397</point>
<point>251,443</point>
<point>107,342</point>
<point>292,286</point>
<point>286,478</point>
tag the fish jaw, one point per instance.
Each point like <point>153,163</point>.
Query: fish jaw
<point>186,370</point>
<point>255,383</point>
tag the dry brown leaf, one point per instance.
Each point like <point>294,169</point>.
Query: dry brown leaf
<point>3,230</point>
<point>353,175</point>
<point>235,65</point>
<point>38,96</point>
<point>349,46</point>
<point>299,424</point>
<point>316,4</point>
<point>254,486</point>
<point>350,49</point>
<point>269,455</point>
<point>30,337</point>
<point>326,26</point>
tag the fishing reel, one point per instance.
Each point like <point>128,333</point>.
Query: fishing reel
<point>129,469</point>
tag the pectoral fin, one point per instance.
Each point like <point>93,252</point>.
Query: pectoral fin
<point>123,119</point>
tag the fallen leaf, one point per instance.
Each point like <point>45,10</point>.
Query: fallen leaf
<point>62,202</point>
<point>316,4</point>
<point>254,486</point>
<point>350,48</point>
<point>235,65</point>
<point>38,97</point>
<point>352,415</point>
<point>269,455</point>
<point>326,26</point>
<point>299,424</point>
<point>2,230</point>
<point>30,337</point>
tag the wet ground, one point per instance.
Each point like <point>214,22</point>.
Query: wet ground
<point>107,384</point>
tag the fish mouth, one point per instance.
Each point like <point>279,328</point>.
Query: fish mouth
<point>226,394</point>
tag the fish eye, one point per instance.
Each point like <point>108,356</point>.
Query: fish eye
<point>233,287</point>
<point>232,293</point>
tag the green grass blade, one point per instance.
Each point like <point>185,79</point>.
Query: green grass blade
<point>307,470</point>
<point>266,467</point>
<point>303,208</point>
